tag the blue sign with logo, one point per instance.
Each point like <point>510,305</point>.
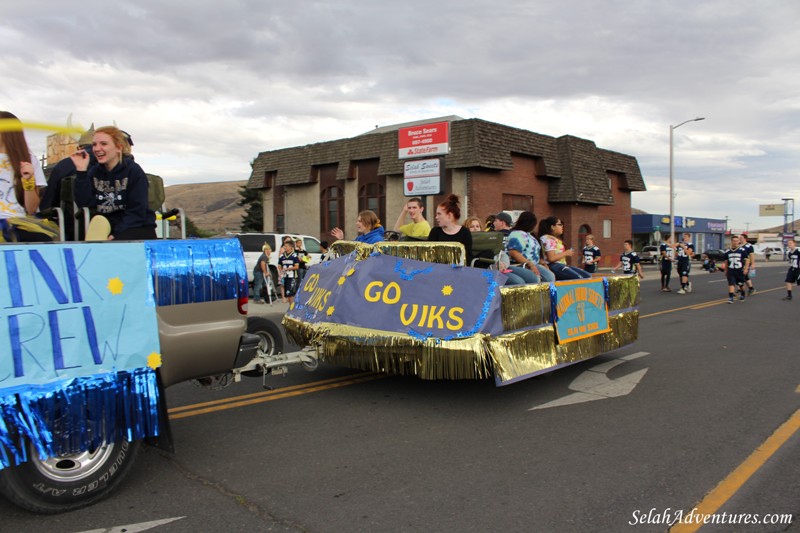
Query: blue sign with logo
<point>581,309</point>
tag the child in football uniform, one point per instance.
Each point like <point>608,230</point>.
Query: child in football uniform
<point>751,261</point>
<point>591,255</point>
<point>793,275</point>
<point>629,260</point>
<point>290,264</point>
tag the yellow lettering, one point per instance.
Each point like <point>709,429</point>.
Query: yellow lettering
<point>311,283</point>
<point>456,322</point>
<point>422,318</point>
<point>436,315</point>
<point>373,297</point>
<point>389,300</point>
<point>408,320</point>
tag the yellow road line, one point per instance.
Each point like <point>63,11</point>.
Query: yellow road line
<point>275,395</point>
<point>703,305</point>
<point>728,486</point>
<point>267,393</point>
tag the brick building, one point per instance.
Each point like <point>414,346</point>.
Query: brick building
<point>311,189</point>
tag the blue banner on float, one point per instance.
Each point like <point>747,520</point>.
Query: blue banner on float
<point>386,293</point>
<point>69,311</point>
<point>580,309</point>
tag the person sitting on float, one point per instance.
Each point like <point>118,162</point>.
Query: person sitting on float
<point>524,250</point>
<point>368,226</point>
<point>551,229</point>
<point>448,228</point>
<point>117,187</point>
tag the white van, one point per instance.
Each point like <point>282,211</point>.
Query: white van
<point>252,243</point>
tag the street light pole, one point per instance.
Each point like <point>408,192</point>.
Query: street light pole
<point>671,182</point>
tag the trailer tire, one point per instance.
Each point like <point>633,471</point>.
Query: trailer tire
<point>271,337</point>
<point>69,482</point>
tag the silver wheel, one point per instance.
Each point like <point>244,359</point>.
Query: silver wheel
<point>72,467</point>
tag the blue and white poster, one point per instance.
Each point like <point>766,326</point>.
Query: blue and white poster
<point>581,309</point>
<point>74,310</point>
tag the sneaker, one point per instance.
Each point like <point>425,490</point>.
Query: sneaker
<point>741,297</point>
<point>730,300</point>
<point>667,289</point>
<point>751,291</point>
<point>787,298</point>
<point>689,287</point>
<point>681,291</point>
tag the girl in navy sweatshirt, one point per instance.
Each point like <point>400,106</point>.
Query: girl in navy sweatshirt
<point>116,187</point>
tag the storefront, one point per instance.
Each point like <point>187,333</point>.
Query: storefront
<point>707,233</point>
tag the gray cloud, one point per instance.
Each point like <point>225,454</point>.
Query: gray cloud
<point>232,79</point>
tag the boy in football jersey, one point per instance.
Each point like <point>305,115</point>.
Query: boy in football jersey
<point>751,258</point>
<point>290,264</point>
<point>629,260</point>
<point>667,256</point>
<point>591,255</point>
<point>685,252</point>
<point>793,275</point>
<point>736,266</point>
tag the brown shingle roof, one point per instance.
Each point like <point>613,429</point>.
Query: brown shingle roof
<point>577,165</point>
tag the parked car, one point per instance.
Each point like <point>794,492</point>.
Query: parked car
<point>649,254</point>
<point>715,254</point>
<point>252,243</point>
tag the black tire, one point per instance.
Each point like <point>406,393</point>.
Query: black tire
<point>69,482</point>
<point>270,333</point>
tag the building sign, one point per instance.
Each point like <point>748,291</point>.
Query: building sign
<point>770,210</point>
<point>424,140</point>
<point>422,177</point>
<point>716,226</point>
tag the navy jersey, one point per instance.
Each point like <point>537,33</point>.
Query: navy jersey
<point>749,249</point>
<point>667,252</point>
<point>737,259</point>
<point>590,254</point>
<point>287,261</point>
<point>794,258</point>
<point>685,251</point>
<point>629,259</point>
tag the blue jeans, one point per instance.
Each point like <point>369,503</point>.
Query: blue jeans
<point>258,284</point>
<point>564,272</point>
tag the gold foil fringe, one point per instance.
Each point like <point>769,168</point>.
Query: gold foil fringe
<point>507,356</point>
<point>393,353</point>
<point>535,350</point>
<point>446,253</point>
<point>525,306</point>
<point>623,292</point>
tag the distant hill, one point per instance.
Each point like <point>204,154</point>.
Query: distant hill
<point>211,206</point>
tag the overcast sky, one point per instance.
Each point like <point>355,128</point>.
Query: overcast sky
<point>203,86</point>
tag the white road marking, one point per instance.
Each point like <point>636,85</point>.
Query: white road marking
<point>593,384</point>
<point>135,528</point>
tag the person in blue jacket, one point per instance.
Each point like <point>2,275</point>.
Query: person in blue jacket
<point>368,227</point>
<point>116,187</point>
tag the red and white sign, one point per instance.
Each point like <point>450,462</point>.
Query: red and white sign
<point>422,177</point>
<point>424,140</point>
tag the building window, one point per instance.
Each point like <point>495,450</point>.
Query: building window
<point>373,197</point>
<point>517,202</point>
<point>280,224</point>
<point>583,231</point>
<point>607,228</point>
<point>332,209</point>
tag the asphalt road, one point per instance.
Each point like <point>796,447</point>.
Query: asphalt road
<point>342,450</point>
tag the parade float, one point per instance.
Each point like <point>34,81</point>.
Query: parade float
<point>413,308</point>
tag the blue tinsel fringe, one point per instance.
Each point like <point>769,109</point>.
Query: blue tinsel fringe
<point>79,415</point>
